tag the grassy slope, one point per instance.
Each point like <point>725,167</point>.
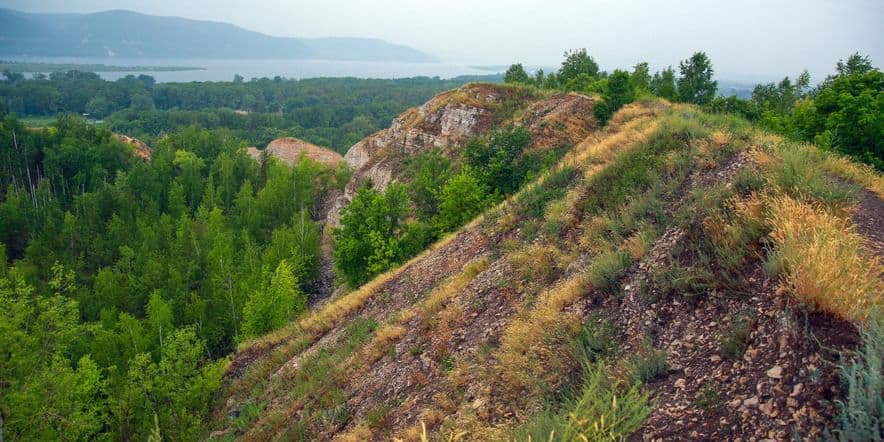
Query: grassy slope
<point>538,297</point>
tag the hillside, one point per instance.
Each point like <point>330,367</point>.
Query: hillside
<point>677,275</point>
<point>452,118</point>
<point>127,34</point>
<point>289,150</point>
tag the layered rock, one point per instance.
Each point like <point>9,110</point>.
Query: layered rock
<point>451,119</point>
<point>290,149</point>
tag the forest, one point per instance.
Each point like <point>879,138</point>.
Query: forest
<point>127,282</point>
<point>331,112</point>
<point>843,112</point>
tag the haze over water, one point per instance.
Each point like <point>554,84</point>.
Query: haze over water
<point>224,70</point>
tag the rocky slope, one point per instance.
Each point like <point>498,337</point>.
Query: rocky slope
<point>142,150</point>
<point>452,118</point>
<point>650,253</point>
<point>289,151</point>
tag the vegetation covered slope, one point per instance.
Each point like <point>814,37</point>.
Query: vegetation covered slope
<point>333,112</point>
<point>129,273</point>
<point>676,275</point>
<point>441,164</point>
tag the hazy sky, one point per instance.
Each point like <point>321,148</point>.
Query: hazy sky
<point>744,38</point>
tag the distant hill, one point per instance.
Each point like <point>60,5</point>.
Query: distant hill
<point>127,34</point>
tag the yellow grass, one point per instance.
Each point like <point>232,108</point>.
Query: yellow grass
<point>860,174</point>
<point>439,296</point>
<point>537,262</point>
<point>527,361</point>
<point>822,260</point>
<point>359,433</point>
<point>720,138</point>
<point>383,340</point>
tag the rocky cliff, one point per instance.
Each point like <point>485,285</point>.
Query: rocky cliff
<point>452,118</point>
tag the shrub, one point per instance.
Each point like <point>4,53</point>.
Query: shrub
<point>494,160</point>
<point>462,198</point>
<point>274,304</point>
<point>862,410</point>
<point>368,241</point>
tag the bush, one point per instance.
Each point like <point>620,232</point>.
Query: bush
<point>275,303</point>
<point>368,241</point>
<point>862,411</point>
<point>462,198</point>
<point>494,160</point>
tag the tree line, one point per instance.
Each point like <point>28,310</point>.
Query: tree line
<point>332,112</point>
<point>843,113</point>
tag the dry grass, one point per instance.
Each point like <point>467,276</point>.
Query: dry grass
<point>720,138</point>
<point>822,260</point>
<point>537,262</point>
<point>527,359</point>
<point>359,433</point>
<point>383,340</point>
<point>439,296</point>
<point>639,243</point>
<point>531,358</point>
<point>859,174</point>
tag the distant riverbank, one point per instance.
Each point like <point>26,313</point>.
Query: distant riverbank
<point>166,70</point>
<point>41,67</point>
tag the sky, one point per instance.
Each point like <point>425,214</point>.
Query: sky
<point>746,39</point>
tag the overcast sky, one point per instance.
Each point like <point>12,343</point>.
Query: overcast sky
<point>745,38</point>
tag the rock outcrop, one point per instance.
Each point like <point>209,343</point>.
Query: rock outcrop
<point>451,119</point>
<point>142,150</point>
<point>290,149</point>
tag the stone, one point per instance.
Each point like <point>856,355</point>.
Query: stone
<point>751,402</point>
<point>776,372</point>
<point>768,408</point>
<point>796,390</point>
<point>680,383</point>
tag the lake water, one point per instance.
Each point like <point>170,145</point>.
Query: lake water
<point>224,70</point>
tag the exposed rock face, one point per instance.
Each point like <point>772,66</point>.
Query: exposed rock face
<point>142,150</point>
<point>290,149</point>
<point>451,119</point>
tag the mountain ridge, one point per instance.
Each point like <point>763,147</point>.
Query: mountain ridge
<point>129,34</point>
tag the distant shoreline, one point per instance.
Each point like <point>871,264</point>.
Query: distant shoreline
<point>27,66</point>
